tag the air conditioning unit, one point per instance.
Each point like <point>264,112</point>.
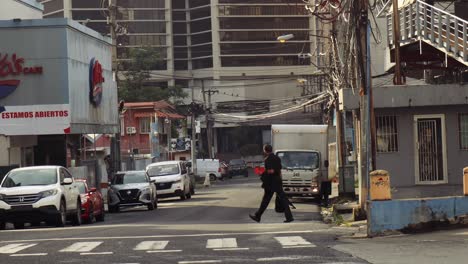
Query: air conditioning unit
<point>131,130</point>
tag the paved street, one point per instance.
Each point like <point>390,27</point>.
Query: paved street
<point>212,227</point>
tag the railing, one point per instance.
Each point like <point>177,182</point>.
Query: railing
<point>420,21</point>
<point>381,7</point>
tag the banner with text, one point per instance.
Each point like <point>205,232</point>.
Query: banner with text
<point>35,120</point>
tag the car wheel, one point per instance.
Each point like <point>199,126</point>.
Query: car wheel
<point>90,218</point>
<point>2,225</point>
<point>189,195</point>
<point>62,217</point>
<point>183,196</point>
<point>155,202</point>
<point>101,216</point>
<point>212,177</point>
<point>113,208</point>
<point>76,220</point>
<point>36,223</point>
<point>18,225</point>
<point>150,206</point>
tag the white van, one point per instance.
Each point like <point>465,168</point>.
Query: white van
<point>209,166</point>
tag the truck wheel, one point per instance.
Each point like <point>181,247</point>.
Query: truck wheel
<point>62,217</point>
<point>76,220</point>
<point>18,225</point>
<point>212,177</point>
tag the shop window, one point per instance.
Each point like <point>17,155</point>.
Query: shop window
<point>463,130</point>
<point>387,134</point>
<point>145,125</point>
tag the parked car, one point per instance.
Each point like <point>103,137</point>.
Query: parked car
<point>132,188</point>
<point>172,179</point>
<point>238,167</point>
<point>40,193</point>
<point>92,203</point>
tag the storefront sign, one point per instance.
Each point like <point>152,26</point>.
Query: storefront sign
<point>95,82</point>
<point>13,66</point>
<point>34,119</point>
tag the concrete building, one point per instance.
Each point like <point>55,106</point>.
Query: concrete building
<point>23,9</point>
<point>228,46</point>
<point>421,126</point>
<point>56,84</point>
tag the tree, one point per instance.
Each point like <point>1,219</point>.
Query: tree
<point>136,85</point>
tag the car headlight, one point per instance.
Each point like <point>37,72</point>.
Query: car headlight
<point>147,189</point>
<point>49,193</point>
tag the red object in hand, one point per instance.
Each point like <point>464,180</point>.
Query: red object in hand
<point>259,170</point>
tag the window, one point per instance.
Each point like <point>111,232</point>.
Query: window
<point>387,134</point>
<point>145,125</point>
<point>463,130</point>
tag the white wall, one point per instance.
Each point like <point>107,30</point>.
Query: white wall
<point>24,9</point>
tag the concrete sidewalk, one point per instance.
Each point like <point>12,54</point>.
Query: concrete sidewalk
<point>447,246</point>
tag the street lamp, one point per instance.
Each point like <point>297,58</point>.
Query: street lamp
<point>284,38</point>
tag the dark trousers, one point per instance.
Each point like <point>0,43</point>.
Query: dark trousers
<point>267,198</point>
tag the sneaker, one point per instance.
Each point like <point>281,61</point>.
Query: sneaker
<point>288,220</point>
<point>255,218</point>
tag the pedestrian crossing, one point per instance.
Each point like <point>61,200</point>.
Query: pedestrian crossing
<point>156,246</point>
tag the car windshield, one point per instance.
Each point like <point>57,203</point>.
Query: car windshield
<point>30,178</point>
<point>162,170</point>
<point>299,160</point>
<point>81,187</point>
<point>129,177</point>
<point>236,162</point>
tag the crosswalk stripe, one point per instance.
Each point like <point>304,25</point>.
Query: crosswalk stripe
<point>28,255</point>
<point>293,241</point>
<point>82,247</point>
<point>13,248</point>
<point>222,243</point>
<point>151,245</point>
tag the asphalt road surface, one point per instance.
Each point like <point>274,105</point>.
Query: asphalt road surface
<point>212,227</point>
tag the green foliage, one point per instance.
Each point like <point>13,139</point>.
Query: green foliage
<point>135,86</point>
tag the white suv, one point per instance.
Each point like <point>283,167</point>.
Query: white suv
<point>36,194</point>
<point>171,179</point>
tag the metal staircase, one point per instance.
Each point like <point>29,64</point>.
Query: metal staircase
<point>422,22</point>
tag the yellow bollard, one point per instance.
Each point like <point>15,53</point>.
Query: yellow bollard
<point>465,181</point>
<point>380,185</point>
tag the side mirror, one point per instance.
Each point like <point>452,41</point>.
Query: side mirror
<point>67,181</point>
<point>93,190</point>
<point>326,163</point>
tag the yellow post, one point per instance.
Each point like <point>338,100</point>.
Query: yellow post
<point>380,185</point>
<point>465,181</point>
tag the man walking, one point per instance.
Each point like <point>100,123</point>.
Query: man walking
<point>271,183</point>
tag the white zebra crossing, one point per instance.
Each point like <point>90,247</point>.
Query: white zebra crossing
<point>13,248</point>
<point>223,244</point>
<point>82,247</point>
<point>218,244</point>
<point>294,242</point>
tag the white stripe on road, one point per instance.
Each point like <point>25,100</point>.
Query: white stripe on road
<point>81,247</point>
<point>13,248</point>
<point>27,255</point>
<point>303,246</point>
<point>229,249</point>
<point>96,253</point>
<point>221,243</point>
<point>199,261</point>
<point>151,245</point>
<point>164,251</point>
<point>281,258</point>
<point>292,241</point>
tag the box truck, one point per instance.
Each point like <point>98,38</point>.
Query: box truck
<point>304,157</point>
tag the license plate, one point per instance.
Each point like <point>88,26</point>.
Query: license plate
<point>22,208</point>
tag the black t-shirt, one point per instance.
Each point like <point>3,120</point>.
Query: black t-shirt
<point>272,181</point>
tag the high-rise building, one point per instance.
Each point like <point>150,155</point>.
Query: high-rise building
<point>229,46</point>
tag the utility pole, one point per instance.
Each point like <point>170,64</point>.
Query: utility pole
<point>397,79</point>
<point>209,121</point>
<point>116,155</point>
